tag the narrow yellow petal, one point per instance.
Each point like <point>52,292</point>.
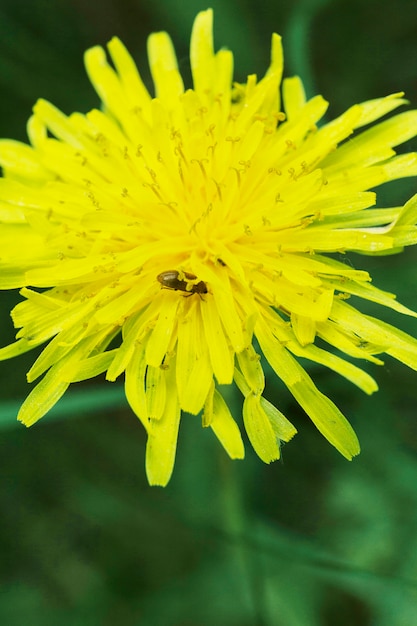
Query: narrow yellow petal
<point>134,331</point>
<point>259,429</point>
<point>408,214</point>
<point>225,428</point>
<point>348,342</point>
<point>304,328</point>
<point>227,313</point>
<point>93,366</point>
<point>220,354</point>
<point>353,373</point>
<point>135,384</point>
<point>375,144</point>
<point>325,415</point>
<point>108,87</point>
<point>37,131</point>
<point>294,96</point>
<point>15,349</point>
<point>223,78</point>
<point>59,124</point>
<point>163,330</point>
<point>250,365</point>
<point>164,69</point>
<point>43,397</point>
<point>54,384</point>
<point>21,161</point>
<point>133,85</point>
<point>162,437</point>
<point>283,429</point>
<point>193,371</point>
<point>156,392</point>
<point>201,52</point>
<point>328,419</point>
<point>394,342</point>
<point>372,110</point>
<point>369,292</point>
<point>276,66</point>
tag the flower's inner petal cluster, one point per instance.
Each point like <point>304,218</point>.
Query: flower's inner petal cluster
<point>189,222</point>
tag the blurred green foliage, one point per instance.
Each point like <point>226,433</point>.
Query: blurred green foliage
<point>309,541</point>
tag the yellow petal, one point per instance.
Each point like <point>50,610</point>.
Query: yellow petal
<point>220,354</point>
<point>163,330</point>
<point>162,437</point>
<point>164,69</point>
<point>135,384</point>
<point>259,429</point>
<point>250,365</point>
<point>201,52</point>
<point>194,372</point>
<point>225,428</point>
<point>156,392</point>
<point>325,415</point>
<point>283,428</point>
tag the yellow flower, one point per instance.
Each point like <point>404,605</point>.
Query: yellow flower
<point>160,237</point>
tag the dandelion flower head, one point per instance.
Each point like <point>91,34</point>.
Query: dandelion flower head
<point>180,238</point>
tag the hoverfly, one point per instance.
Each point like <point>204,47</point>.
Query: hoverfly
<point>171,280</point>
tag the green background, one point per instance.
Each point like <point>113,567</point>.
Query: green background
<point>310,540</point>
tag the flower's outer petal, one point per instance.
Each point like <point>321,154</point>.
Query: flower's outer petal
<point>14,349</point>
<point>350,343</point>
<point>135,383</point>
<point>369,292</point>
<point>353,373</point>
<point>304,328</point>
<point>93,366</point>
<point>325,415</point>
<point>408,213</point>
<point>162,436</point>
<point>135,330</point>
<point>37,131</point>
<point>372,110</point>
<point>54,384</point>
<point>222,86</point>
<point>134,88</point>
<point>220,354</point>
<point>202,53</point>
<point>394,342</point>
<point>107,85</point>
<point>156,391</point>
<point>43,397</point>
<point>250,365</point>
<point>163,330</point>
<point>194,372</point>
<point>283,428</point>
<point>375,144</point>
<point>21,162</point>
<point>227,312</point>
<point>217,415</point>
<point>403,347</point>
<point>294,96</point>
<point>276,66</point>
<point>164,69</point>
<point>59,124</point>
<point>259,429</point>
<point>329,204</point>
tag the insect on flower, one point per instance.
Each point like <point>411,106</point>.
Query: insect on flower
<point>171,280</point>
